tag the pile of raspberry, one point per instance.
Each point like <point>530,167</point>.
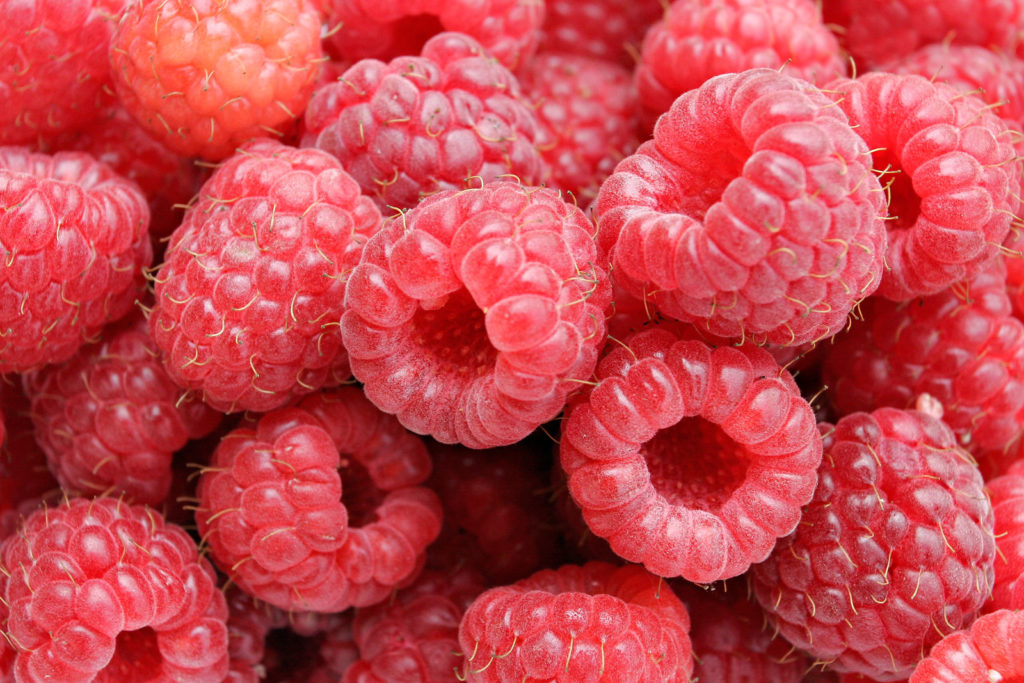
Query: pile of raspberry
<point>397,341</point>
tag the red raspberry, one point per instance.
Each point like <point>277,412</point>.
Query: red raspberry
<point>991,650</point>
<point>205,77</point>
<point>272,510</point>
<point>110,418</point>
<point>98,590</point>
<point>590,622</point>
<point>1007,495</point>
<point>25,481</point>
<point>448,119</point>
<point>605,29</point>
<point>698,39</point>
<point>510,272</point>
<point>54,75</point>
<point>689,459</point>
<point>385,29</point>
<point>894,552</point>
<point>954,178</point>
<point>248,298</point>
<point>587,110</point>
<point>753,212</point>
<point>76,239</point>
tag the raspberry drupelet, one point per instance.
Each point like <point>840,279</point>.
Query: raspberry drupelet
<point>894,552</point>
<point>449,118</point>
<point>1007,495</point>
<point>252,286</point>
<point>75,236</point>
<point>611,30</point>
<point>205,77</point>
<point>990,651</point>
<point>690,460</point>
<point>753,212</point>
<point>473,316</point>
<point>99,590</point>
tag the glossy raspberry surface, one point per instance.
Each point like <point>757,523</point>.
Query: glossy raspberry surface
<point>989,651</point>
<point>1007,495</point>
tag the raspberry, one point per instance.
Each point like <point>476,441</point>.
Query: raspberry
<point>510,272</point>
<point>272,510</point>
<point>110,418</point>
<point>1007,495</point>
<point>385,29</point>
<point>448,119</point>
<point>590,622</point>
<point>25,480</point>
<point>698,39</point>
<point>203,78</point>
<point>894,552</point>
<point>989,651</point>
<point>55,68</point>
<point>98,590</point>
<point>689,459</point>
<point>76,239</point>
<point>753,212</point>
<point>248,298</point>
<point>954,183</point>
<point>604,29</point>
<point>585,130</point>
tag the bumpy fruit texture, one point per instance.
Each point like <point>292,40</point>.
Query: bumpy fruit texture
<point>991,650</point>
<point>590,622</point>
<point>99,590</point>
<point>55,75</point>
<point>450,118</point>
<point>24,476</point>
<point>385,29</point>
<point>250,293</point>
<point>298,526</point>
<point>1007,495</point>
<point>611,30</point>
<point>472,317</point>
<point>951,172</point>
<point>688,459</point>
<point>698,39</point>
<point>206,77</point>
<point>75,238</point>
<point>110,418</point>
<point>895,551</point>
<point>752,213</point>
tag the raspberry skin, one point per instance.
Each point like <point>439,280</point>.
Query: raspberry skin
<point>55,74</point>
<point>25,481</point>
<point>272,511</point>
<point>895,551</point>
<point>450,118</point>
<point>386,29</point>
<point>603,29</point>
<point>509,271</point>
<point>254,279</point>
<point>688,459</point>
<point>591,622</point>
<point>205,77</point>
<point>990,650</point>
<point>699,39</point>
<point>99,590</point>
<point>753,212</point>
<point>953,177</point>
<point>76,240</point>
<point>1007,495</point>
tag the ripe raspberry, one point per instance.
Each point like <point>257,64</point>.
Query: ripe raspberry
<point>604,29</point>
<point>1007,495</point>
<point>753,212</point>
<point>955,178</point>
<point>587,110</point>
<point>54,66</point>
<point>698,39</point>
<point>248,298</point>
<point>24,478</point>
<point>272,510</point>
<point>990,651</point>
<point>205,77</point>
<point>110,418</point>
<point>590,622</point>
<point>76,239</point>
<point>894,552</point>
<point>448,119</point>
<point>386,29</point>
<point>509,271</point>
<point>689,459</point>
<point>98,590</point>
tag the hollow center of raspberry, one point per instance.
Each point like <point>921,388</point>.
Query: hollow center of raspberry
<point>904,203</point>
<point>411,33</point>
<point>455,337</point>
<point>359,493</point>
<point>695,464</point>
<point>136,651</point>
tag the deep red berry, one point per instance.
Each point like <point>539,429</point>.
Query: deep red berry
<point>25,480</point>
<point>605,29</point>
<point>991,651</point>
<point>1007,495</point>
